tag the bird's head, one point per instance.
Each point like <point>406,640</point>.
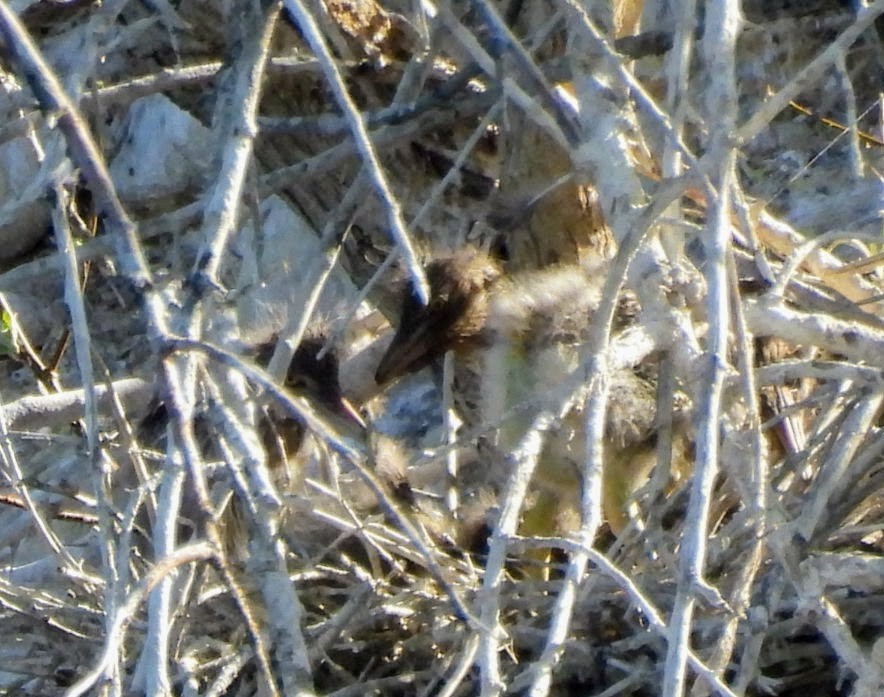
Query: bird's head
<point>314,375</point>
<point>454,318</point>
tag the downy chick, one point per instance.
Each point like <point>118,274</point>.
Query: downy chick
<point>315,379</point>
<point>522,335</point>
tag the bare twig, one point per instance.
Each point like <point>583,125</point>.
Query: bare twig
<point>809,75</point>
<point>304,19</point>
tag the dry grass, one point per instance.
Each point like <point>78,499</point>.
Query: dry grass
<point>153,551</point>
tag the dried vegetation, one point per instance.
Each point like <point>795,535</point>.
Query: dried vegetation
<point>228,174</point>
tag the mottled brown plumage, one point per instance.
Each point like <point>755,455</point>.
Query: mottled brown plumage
<point>454,318</point>
<point>313,378</point>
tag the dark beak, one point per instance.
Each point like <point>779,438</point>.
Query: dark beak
<point>409,351</point>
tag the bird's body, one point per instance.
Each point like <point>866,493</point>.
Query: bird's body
<point>522,337</point>
<point>293,455</point>
<point>313,378</point>
<point>286,441</point>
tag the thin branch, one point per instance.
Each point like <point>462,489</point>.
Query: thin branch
<point>304,19</point>
<point>113,646</point>
<point>809,75</point>
<point>237,111</point>
<point>719,46</point>
<point>84,153</point>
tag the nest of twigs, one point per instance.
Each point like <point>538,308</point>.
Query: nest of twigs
<point>185,182</point>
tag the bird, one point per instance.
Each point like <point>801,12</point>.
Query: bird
<point>313,374</point>
<point>292,454</point>
<point>519,336</point>
<point>454,318</point>
<point>308,375</point>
